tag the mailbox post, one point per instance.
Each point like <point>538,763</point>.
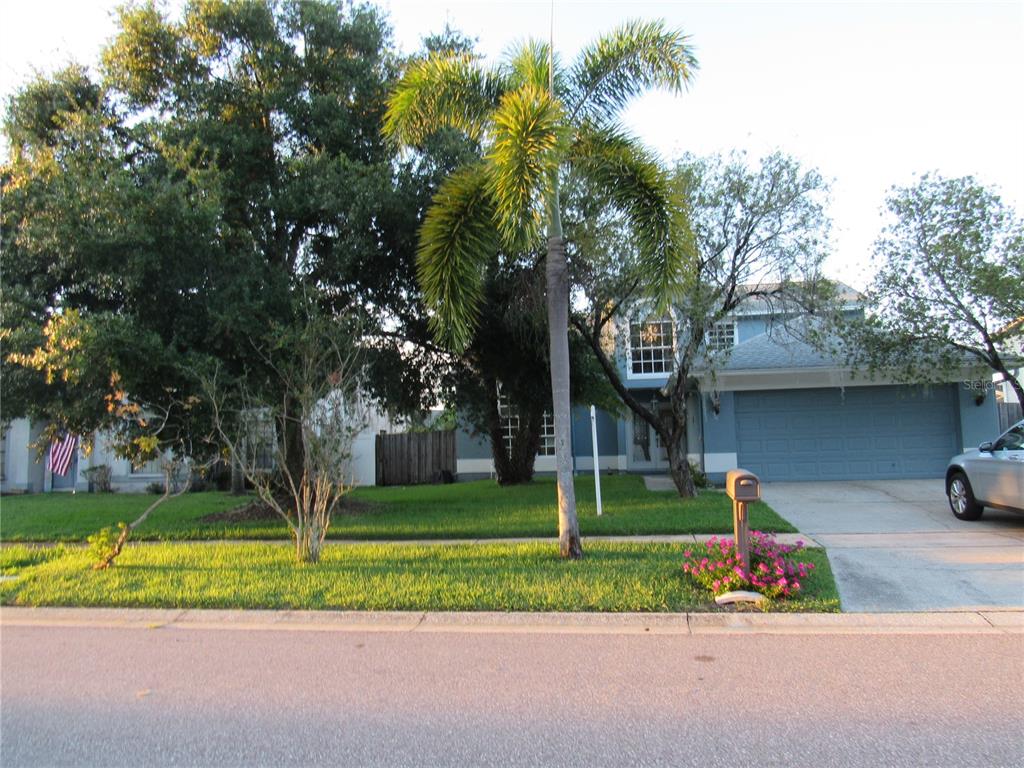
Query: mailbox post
<point>742,487</point>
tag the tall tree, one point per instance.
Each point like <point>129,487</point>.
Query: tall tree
<point>509,353</point>
<point>760,236</point>
<point>949,290</point>
<point>196,195</point>
<point>536,121</point>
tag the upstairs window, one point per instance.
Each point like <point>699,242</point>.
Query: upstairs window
<point>650,346</point>
<point>721,336</point>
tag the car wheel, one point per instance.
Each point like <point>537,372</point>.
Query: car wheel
<point>961,498</point>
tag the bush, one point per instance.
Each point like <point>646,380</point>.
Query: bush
<point>99,478</point>
<point>700,480</point>
<point>102,543</point>
<point>156,488</point>
<point>771,572</point>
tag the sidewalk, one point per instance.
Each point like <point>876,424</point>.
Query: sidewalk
<point>947,623</point>
<point>681,539</point>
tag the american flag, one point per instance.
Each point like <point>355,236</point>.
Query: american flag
<point>61,454</point>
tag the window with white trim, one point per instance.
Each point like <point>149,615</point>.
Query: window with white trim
<point>721,336</point>
<point>650,346</point>
<point>510,422</point>
<point>151,467</point>
<point>509,416</point>
<point>547,436</point>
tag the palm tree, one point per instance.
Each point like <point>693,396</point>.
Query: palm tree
<point>536,120</point>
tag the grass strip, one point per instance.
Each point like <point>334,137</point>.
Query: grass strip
<point>476,510</point>
<point>611,577</point>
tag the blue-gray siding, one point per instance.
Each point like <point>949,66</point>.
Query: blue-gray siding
<point>873,432</point>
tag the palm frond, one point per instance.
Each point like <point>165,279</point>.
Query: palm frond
<point>457,239</point>
<point>619,66</point>
<point>522,160</point>
<point>448,90</point>
<point>528,65</point>
<point>620,169</point>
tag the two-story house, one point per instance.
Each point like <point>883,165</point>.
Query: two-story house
<point>773,405</point>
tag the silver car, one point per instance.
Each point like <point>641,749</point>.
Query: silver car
<point>990,476</point>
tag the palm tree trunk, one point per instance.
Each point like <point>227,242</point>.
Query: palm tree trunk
<point>569,545</point>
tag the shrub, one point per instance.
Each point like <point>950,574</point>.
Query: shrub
<point>155,488</point>
<point>772,572</point>
<point>99,478</point>
<point>102,543</point>
<point>700,480</point>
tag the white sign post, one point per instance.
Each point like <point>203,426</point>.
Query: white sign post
<point>597,470</point>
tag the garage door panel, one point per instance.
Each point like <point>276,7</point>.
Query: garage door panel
<point>859,433</point>
<point>883,420</point>
<point>858,444</point>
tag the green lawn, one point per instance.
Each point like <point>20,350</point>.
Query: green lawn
<point>67,517</point>
<point>464,510</point>
<point>457,577</point>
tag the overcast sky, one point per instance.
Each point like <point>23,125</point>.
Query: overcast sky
<point>871,94</point>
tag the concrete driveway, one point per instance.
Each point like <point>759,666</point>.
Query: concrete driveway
<point>894,545</point>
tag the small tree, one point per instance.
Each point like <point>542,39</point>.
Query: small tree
<point>949,290</point>
<point>320,405</point>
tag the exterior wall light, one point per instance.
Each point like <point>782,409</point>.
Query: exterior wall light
<point>716,402</point>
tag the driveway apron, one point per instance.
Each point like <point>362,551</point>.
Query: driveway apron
<point>894,545</point>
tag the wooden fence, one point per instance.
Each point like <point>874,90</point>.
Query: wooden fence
<point>1009,414</point>
<point>416,458</point>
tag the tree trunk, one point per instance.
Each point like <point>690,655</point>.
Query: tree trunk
<point>1013,382</point>
<point>516,466</point>
<point>525,445</point>
<point>237,479</point>
<point>679,467</point>
<point>307,544</point>
<point>569,544</point>
<point>678,458</point>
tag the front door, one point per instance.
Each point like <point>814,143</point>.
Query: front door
<point>67,482</point>
<point>646,449</point>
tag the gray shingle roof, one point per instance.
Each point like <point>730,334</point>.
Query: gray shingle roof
<point>779,349</point>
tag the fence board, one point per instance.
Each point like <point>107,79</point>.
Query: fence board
<point>1009,414</point>
<point>414,458</point>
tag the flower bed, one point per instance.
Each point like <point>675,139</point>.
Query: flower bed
<point>772,572</point>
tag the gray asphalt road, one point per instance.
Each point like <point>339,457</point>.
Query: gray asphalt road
<point>176,696</point>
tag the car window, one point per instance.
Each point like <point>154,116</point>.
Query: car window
<point>1012,440</point>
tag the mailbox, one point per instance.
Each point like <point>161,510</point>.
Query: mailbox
<point>741,485</point>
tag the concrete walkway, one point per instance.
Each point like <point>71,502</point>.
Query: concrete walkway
<point>681,539</point>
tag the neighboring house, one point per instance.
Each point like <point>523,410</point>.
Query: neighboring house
<point>25,471</point>
<point>774,406</point>
<point>22,470</point>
